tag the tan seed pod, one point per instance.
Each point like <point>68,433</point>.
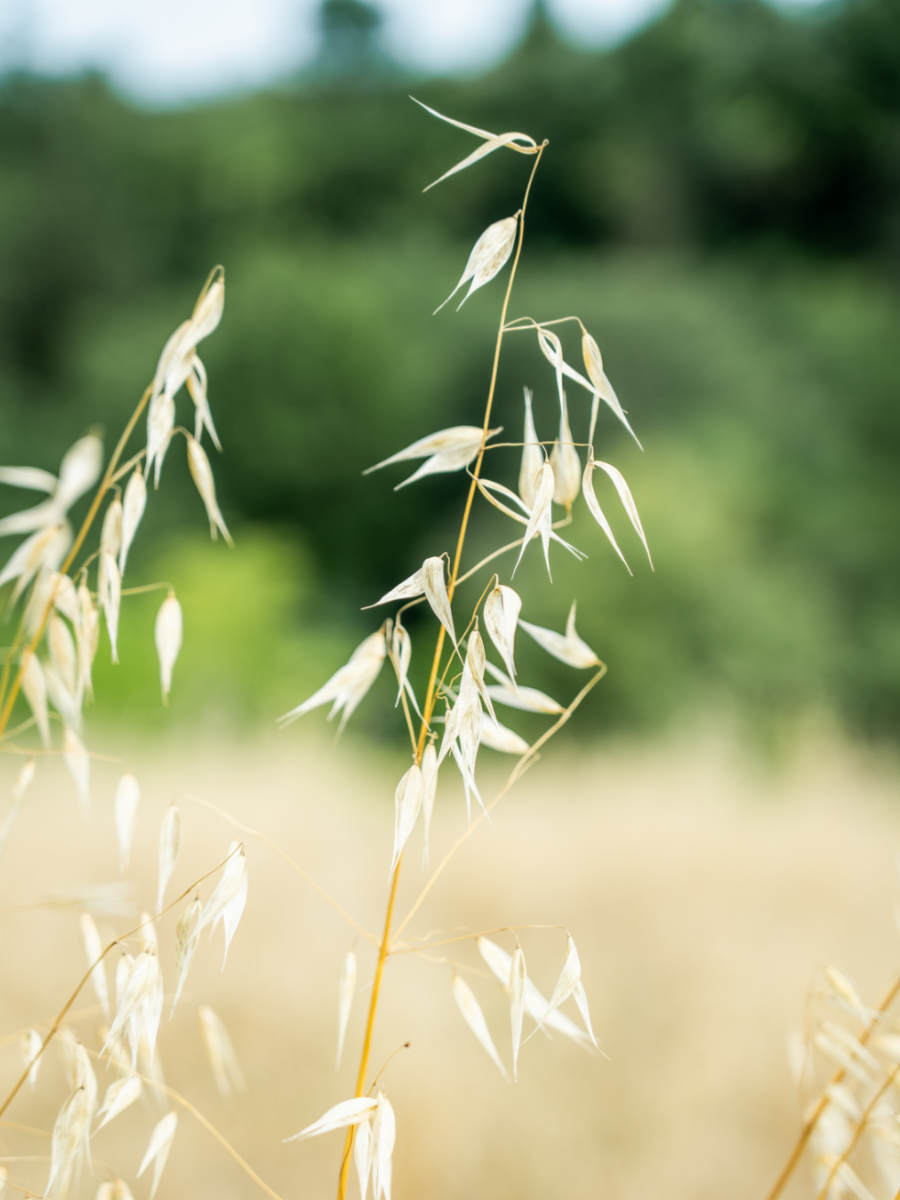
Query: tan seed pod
<point>167,634</point>
<point>362,1156</point>
<point>497,737</point>
<point>347,687</point>
<point>62,652</point>
<point>169,845</point>
<point>87,631</point>
<point>119,1095</point>
<point>67,1143</point>
<point>401,652</point>
<point>517,977</point>
<point>109,597</point>
<point>536,1005</point>
<point>429,789</point>
<point>476,661</point>
<point>384,1133</point>
<point>407,802</point>
<point>624,495</point>
<point>133,506</point>
<point>35,688</point>
<point>348,1112</point>
<point>489,255</point>
<point>61,698</point>
<point>79,766</point>
<point>128,796</point>
<point>524,698</point>
<point>202,475</point>
<point>222,1058</point>
<point>197,386</point>
<point>160,425</point>
<point>187,937</point>
<point>447,450</point>
<point>226,904</point>
<point>32,1044</point>
<point>43,550</point>
<point>346,992</point>
<point>158,1150</point>
<point>501,615</point>
<point>568,648</point>
<point>565,462</point>
<point>541,518</point>
<point>474,1018</point>
<point>93,948</point>
<point>427,581</point>
<point>532,455</point>
<point>111,531</point>
<point>593,364</point>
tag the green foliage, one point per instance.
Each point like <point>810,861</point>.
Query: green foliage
<point>718,204</point>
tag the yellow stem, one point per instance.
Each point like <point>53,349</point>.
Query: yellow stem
<point>430,693</point>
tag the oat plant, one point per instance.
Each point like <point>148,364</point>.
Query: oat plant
<point>458,711</point>
<point>58,591</point>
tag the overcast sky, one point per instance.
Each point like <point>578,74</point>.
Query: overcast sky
<point>167,51</point>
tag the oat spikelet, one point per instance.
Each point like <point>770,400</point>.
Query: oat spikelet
<point>568,648</point>
<point>226,904</point>
<point>67,1143</point>
<point>79,766</point>
<point>532,455</point>
<point>565,462</point>
<point>187,937</point>
<point>23,779</point>
<point>169,845</point>
<point>114,1189</point>
<point>133,506</point>
<point>35,688</point>
<point>517,978</point>
<point>489,256</point>
<point>474,1018</point>
<point>407,802</point>
<point>348,1112</point>
<point>201,472</point>
<point>87,631</point>
<point>624,495</point>
<point>447,450</point>
<point>501,615</point>
<point>128,796</point>
<point>62,652</point>
<point>497,737</point>
<point>540,521</point>
<point>346,992</point>
<point>524,698</point>
<point>384,1133</point>
<point>603,389</point>
<point>362,1156</point>
<point>93,948</point>
<point>429,789</point>
<point>427,581</point>
<point>119,1095</point>
<point>347,687</point>
<point>222,1058</point>
<point>493,141</point>
<point>167,634</point>
<point>569,984</point>
<point>32,1044</point>
<point>158,1150</point>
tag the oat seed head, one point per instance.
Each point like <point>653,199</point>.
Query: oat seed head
<point>532,455</point>
<point>168,634</point>
<point>169,845</point>
<point>158,1150</point>
<point>34,686</point>
<point>447,450</point>
<point>119,1095</point>
<point>93,948</point>
<point>346,992</point>
<point>474,1018</point>
<point>133,505</point>
<point>222,1058</point>
<point>407,802</point>
<point>128,796</point>
<point>201,473</point>
<point>348,1112</point>
<point>569,648</point>
<point>384,1133</point>
<point>489,256</point>
<point>347,687</point>
<point>501,616</point>
<point>565,462</point>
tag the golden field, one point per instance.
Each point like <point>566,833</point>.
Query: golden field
<point>702,892</point>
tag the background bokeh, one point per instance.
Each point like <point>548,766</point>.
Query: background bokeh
<point>720,203</point>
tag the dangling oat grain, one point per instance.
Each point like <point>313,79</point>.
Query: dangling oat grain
<point>541,517</point>
<point>79,766</point>
<point>474,1018</point>
<point>489,255</point>
<point>35,688</point>
<point>158,1150</point>
<point>347,687</point>
<point>501,615</point>
<point>133,506</point>
<point>447,450</point>
<point>624,495</point>
<point>346,992</point>
<point>169,845</point>
<point>407,802</point>
<point>119,1095</point>
<point>517,977</point>
<point>93,948</point>
<point>384,1132</point>
<point>348,1112</point>
<point>568,648</point>
<point>222,1058</point>
<point>128,795</point>
<point>167,633</point>
<point>202,475</point>
<point>565,462</point>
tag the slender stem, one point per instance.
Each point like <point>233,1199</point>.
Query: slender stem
<point>428,708</point>
<point>86,524</point>
<point>811,1121</point>
<point>370,1023</point>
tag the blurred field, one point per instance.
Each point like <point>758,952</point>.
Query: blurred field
<point>701,893</point>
